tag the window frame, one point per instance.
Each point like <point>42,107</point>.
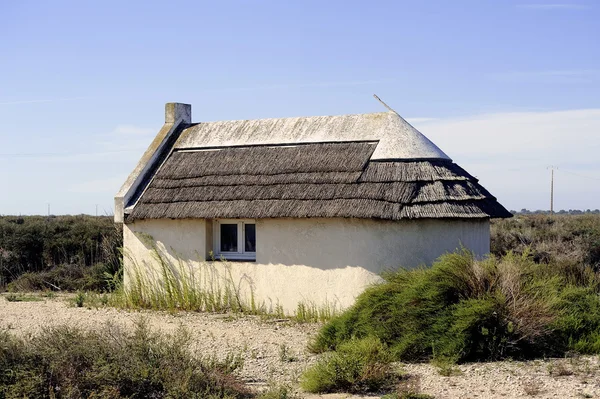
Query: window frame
<point>241,254</point>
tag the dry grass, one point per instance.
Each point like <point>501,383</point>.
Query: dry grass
<point>108,362</point>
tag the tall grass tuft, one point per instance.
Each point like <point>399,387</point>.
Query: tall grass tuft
<point>462,309</point>
<point>181,286</point>
<point>206,286</point>
<point>310,312</point>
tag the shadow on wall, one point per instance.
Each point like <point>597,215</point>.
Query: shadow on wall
<point>375,245</point>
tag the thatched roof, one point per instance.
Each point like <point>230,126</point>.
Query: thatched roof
<point>335,179</point>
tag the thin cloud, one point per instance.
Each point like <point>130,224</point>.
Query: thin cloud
<point>551,76</point>
<point>49,100</point>
<point>563,6</point>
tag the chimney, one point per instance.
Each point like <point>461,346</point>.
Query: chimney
<point>178,112</point>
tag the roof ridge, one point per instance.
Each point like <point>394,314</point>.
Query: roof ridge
<point>297,117</point>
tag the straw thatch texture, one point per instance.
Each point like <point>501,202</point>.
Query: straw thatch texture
<point>311,180</point>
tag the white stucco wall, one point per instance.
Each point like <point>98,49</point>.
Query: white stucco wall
<point>303,260</point>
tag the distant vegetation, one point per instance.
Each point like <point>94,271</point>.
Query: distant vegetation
<point>560,212</point>
<point>563,240</point>
<point>59,252</point>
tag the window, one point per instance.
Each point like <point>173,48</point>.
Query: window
<point>235,239</point>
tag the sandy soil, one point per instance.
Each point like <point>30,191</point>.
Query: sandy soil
<point>263,344</point>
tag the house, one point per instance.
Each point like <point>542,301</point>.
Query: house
<point>308,209</point>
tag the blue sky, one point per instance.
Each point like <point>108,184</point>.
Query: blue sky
<point>506,88</point>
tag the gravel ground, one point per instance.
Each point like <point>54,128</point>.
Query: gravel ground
<point>275,352</point>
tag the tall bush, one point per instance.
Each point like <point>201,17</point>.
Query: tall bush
<point>463,309</point>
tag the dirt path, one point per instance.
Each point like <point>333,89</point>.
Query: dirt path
<point>275,351</point>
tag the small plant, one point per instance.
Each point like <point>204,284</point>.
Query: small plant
<point>358,365</point>
<point>79,299</point>
<point>48,294</point>
<point>278,312</point>
<point>12,297</point>
<point>285,355</point>
<point>277,392</point>
<point>409,387</point>
<point>559,369</point>
<point>446,367</point>
<point>532,388</point>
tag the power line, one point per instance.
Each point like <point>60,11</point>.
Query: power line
<point>575,174</point>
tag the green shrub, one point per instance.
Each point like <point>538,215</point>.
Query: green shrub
<point>67,362</point>
<point>461,309</point>
<point>357,365</point>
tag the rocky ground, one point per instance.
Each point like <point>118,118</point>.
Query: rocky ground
<point>274,351</point>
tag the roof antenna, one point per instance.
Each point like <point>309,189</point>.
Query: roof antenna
<point>384,104</point>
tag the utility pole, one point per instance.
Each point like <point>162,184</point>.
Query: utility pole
<point>48,208</point>
<point>96,210</point>
<point>551,167</point>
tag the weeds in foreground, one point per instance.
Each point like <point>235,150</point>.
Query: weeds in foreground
<point>109,362</point>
